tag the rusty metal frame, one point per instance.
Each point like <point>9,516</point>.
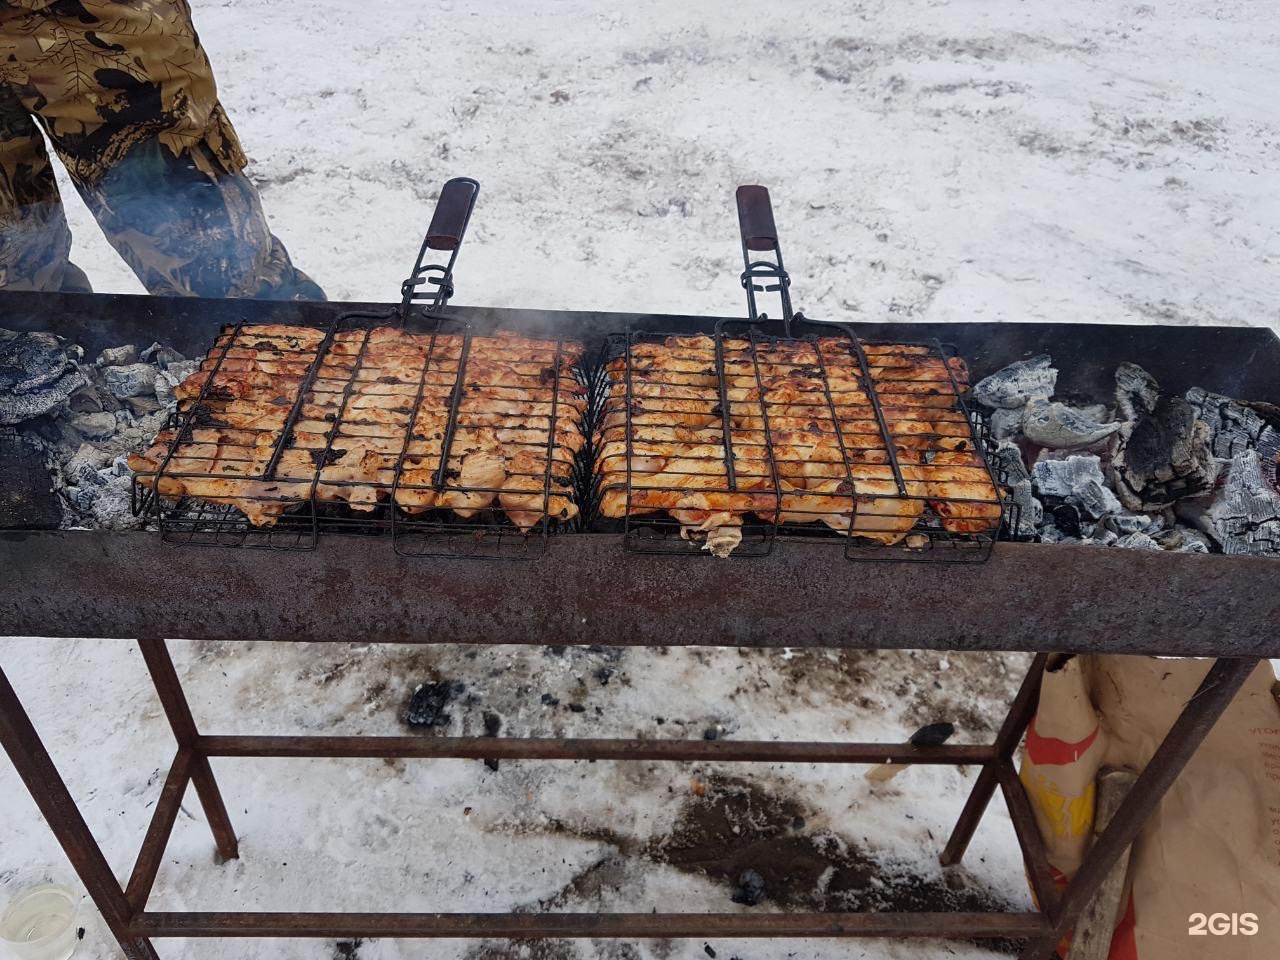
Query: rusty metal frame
<point>114,585</point>
<point>134,926</point>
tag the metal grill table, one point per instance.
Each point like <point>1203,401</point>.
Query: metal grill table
<point>1027,597</point>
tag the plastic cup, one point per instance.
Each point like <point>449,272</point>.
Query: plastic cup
<point>40,924</point>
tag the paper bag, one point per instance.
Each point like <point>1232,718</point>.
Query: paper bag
<point>1204,874</point>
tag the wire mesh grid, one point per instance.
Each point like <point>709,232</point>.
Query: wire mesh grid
<point>213,476</point>
<point>453,444</point>
<point>729,442</point>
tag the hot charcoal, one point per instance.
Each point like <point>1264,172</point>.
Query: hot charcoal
<point>1191,473</point>
<point>77,420</point>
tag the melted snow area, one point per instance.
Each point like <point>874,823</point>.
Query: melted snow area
<point>938,161</point>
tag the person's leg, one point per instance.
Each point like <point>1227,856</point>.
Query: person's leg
<point>35,244</point>
<point>128,100</point>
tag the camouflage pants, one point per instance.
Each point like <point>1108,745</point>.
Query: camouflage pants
<point>125,94</point>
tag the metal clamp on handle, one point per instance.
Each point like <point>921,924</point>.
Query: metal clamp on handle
<point>760,234</point>
<point>448,227</point>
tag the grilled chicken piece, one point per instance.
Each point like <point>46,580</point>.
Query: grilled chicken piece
<point>808,444</point>
<point>375,400</point>
<point>961,493</point>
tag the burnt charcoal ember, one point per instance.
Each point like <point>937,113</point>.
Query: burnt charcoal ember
<point>1183,540</point>
<point>37,375</point>
<point>1136,391</point>
<point>1078,481</point>
<point>427,705</point>
<point>1030,512</point>
<point>1246,511</point>
<point>1103,537</point>
<point>118,356</point>
<point>1008,463</point>
<point>1136,541</point>
<point>1018,383</point>
<point>162,356</point>
<point>141,406</point>
<point>1235,427</point>
<point>1123,524</point>
<point>101,425</point>
<point>1062,427</point>
<point>84,466</point>
<point>932,735</point>
<point>1066,518</point>
<point>751,889</point>
<point>1005,424</point>
<point>172,375</point>
<point>1163,457</point>
<point>133,380</point>
<point>93,396</point>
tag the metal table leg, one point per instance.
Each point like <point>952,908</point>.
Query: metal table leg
<point>1007,740</point>
<point>22,744</point>
<point>156,655</point>
<point>1214,695</point>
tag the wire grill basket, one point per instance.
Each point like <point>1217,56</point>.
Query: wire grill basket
<point>731,441</point>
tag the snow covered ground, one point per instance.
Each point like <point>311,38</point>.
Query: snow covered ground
<point>967,160</point>
<point>989,159</point>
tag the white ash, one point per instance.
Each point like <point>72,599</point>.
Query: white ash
<point>1193,474</point>
<point>1077,480</point>
<point>1136,391</point>
<point>1006,422</point>
<point>1246,511</point>
<point>1236,426</point>
<point>1061,427</point>
<point>121,401</point>
<point>1020,382</point>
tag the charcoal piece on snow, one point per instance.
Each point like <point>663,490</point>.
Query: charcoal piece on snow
<point>426,707</point>
<point>1136,391</point>
<point>1062,427</point>
<point>1163,457</point>
<point>1014,385</point>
